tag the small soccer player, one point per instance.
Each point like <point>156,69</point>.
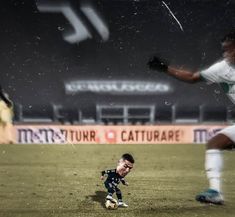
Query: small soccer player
<point>6,115</point>
<point>115,176</point>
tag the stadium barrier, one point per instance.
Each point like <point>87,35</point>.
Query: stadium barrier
<point>103,134</point>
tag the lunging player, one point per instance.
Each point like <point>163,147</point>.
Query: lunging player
<point>222,72</point>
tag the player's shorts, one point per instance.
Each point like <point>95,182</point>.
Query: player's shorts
<point>6,113</point>
<point>229,132</point>
<point>110,187</point>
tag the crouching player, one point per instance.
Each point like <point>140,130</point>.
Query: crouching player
<point>115,176</point>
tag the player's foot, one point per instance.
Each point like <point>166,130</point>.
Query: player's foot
<point>109,197</point>
<point>122,204</point>
<point>210,196</point>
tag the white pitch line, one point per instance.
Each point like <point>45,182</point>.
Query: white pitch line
<point>173,15</point>
<point>70,143</point>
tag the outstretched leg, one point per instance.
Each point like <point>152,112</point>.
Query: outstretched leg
<point>119,197</point>
<point>214,166</point>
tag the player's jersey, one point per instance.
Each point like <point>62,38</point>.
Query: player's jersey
<point>6,113</point>
<point>223,74</point>
<point>3,105</point>
<point>113,177</point>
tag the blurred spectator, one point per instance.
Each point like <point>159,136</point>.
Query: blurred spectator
<point>6,116</point>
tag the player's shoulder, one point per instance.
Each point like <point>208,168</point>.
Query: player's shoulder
<point>214,69</point>
<point>220,64</point>
<point>111,171</point>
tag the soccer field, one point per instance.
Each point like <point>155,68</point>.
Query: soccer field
<point>64,180</point>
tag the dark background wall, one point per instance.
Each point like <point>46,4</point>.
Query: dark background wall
<point>36,60</point>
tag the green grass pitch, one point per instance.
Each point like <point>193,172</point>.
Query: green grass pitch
<point>64,180</point>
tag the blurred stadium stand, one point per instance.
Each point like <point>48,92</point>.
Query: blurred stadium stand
<point>185,114</point>
<point>37,114</point>
<point>109,66</point>
<point>231,114</point>
<point>65,115</point>
<point>125,114</point>
<point>210,113</point>
<point>163,114</point>
<point>18,113</point>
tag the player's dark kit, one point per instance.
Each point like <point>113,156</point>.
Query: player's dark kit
<point>111,183</point>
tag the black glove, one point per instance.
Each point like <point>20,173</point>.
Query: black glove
<point>156,63</point>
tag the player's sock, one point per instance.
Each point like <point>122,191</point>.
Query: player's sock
<point>119,195</point>
<point>109,196</point>
<point>213,166</point>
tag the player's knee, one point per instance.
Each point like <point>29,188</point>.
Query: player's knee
<point>118,192</point>
<point>219,141</point>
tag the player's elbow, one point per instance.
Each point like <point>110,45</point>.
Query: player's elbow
<point>194,77</point>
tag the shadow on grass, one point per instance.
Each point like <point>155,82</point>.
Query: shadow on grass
<point>99,197</point>
<point>164,211</point>
<point>204,210</point>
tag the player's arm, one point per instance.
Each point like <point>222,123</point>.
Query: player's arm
<point>105,173</point>
<point>124,182</point>
<point>158,64</point>
<point>184,75</point>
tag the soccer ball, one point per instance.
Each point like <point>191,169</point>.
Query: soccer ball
<point>111,204</point>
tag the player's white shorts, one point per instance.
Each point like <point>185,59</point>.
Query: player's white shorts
<point>229,132</point>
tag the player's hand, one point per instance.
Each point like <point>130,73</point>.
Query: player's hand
<point>127,183</point>
<point>156,63</point>
<point>102,177</point>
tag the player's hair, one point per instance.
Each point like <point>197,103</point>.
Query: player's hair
<point>229,37</point>
<point>128,157</point>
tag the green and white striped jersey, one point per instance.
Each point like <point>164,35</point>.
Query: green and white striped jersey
<point>223,74</point>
